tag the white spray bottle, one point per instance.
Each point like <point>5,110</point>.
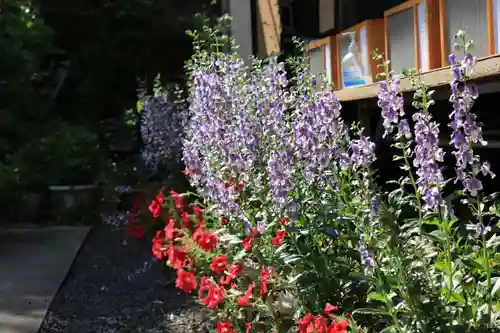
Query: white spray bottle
<point>352,72</point>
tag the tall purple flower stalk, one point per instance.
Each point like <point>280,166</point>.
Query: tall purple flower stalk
<point>318,130</point>
<point>390,100</point>
<point>362,152</point>
<point>237,126</point>
<point>272,99</point>
<point>162,125</point>
<point>427,157</point>
<point>466,130</point>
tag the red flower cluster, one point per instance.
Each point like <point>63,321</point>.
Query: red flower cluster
<point>219,264</point>
<point>279,238</point>
<point>173,243</point>
<point>244,300</point>
<point>215,293</point>
<point>224,327</point>
<point>319,323</point>
<point>155,206</point>
<point>250,239</point>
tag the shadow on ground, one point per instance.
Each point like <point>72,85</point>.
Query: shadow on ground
<point>115,286</point>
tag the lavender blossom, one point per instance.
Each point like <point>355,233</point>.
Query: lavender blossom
<point>162,125</point>
<point>466,130</point>
<point>279,174</point>
<point>404,132</point>
<point>482,230</point>
<point>238,119</point>
<point>390,100</point>
<point>427,157</point>
<point>366,258</point>
<point>362,152</point>
<point>479,228</point>
<point>261,226</point>
<point>318,131</point>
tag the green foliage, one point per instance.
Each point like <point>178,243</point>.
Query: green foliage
<point>395,260</point>
<point>75,156</point>
<point>28,80</point>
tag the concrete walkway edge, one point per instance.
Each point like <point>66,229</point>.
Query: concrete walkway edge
<point>34,262</point>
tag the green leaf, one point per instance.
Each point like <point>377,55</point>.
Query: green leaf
<point>240,255</point>
<point>454,297</point>
<point>371,311</point>
<point>496,286</point>
<point>377,297</point>
<point>472,263</point>
<point>442,266</point>
<point>435,222</point>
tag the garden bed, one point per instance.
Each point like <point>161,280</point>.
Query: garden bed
<point>115,286</point>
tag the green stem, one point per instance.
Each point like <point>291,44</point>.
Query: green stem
<point>486,263</point>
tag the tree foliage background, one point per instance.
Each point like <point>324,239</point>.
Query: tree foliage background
<point>79,61</point>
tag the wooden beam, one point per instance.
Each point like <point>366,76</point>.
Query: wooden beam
<point>487,67</point>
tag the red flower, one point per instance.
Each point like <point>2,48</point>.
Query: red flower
<point>234,271</point>
<point>305,324</point>
<point>230,182</point>
<point>338,327</point>
<point>224,327</point>
<point>249,328</point>
<point>243,300</point>
<point>219,264</point>
<point>330,308</point>
<point>284,221</point>
<point>312,324</point>
<point>178,200</point>
<point>186,220</point>
<point>176,257</point>
<point>160,198</point>
<point>248,241</point>
<point>265,274</point>
<point>136,231</point>
<point>224,220</point>
<point>169,229</point>
<point>198,231</point>
<point>185,281</point>
<point>239,187</point>
<point>207,241</point>
<point>155,208</point>
<point>187,172</point>
<point>278,239</point>
<point>215,293</point>
<point>159,245</point>
<point>198,212</point>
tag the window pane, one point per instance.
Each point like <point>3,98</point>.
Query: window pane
<point>316,61</point>
<point>423,36</point>
<point>470,15</point>
<point>401,40</point>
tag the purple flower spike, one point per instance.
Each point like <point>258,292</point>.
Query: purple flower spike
<point>466,130</point>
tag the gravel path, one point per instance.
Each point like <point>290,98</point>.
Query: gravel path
<point>114,286</point>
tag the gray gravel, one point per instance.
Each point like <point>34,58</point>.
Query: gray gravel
<point>114,286</point>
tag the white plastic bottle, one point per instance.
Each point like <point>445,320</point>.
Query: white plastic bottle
<point>352,72</point>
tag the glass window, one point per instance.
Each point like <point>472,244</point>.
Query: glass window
<point>316,61</point>
<point>469,15</point>
<point>401,32</point>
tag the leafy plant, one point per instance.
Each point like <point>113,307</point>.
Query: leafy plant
<point>74,156</point>
<point>291,231</point>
